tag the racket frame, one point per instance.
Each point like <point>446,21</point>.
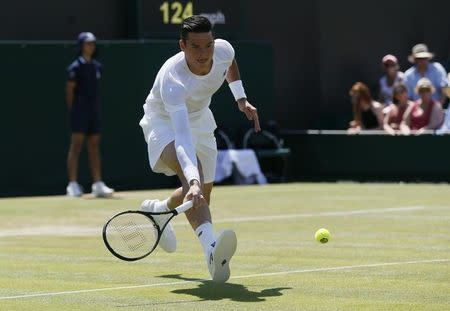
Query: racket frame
<point>180,209</point>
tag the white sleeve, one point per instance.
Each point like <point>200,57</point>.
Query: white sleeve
<point>173,93</point>
<point>224,50</point>
<point>184,145</point>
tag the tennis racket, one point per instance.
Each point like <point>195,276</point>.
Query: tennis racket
<point>133,235</point>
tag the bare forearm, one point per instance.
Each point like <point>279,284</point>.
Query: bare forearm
<point>436,118</point>
<point>404,128</point>
<point>443,98</point>
<point>233,72</point>
<point>70,94</point>
<point>237,89</point>
<point>388,129</point>
<point>234,82</point>
<point>69,99</point>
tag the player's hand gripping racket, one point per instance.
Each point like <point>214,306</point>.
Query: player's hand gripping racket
<point>133,235</point>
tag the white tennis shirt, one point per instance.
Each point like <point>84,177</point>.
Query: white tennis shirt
<point>179,94</point>
<point>176,87</point>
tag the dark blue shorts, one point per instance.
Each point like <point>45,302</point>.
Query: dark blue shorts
<point>85,120</point>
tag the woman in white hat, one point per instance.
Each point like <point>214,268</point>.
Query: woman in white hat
<point>392,77</point>
<point>424,68</point>
<point>426,113</point>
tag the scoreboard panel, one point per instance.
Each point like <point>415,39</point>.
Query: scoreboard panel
<point>162,18</point>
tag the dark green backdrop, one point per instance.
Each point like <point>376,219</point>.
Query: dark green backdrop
<point>369,158</point>
<point>35,125</point>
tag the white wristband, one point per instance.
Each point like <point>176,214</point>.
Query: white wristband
<point>191,173</point>
<point>237,89</point>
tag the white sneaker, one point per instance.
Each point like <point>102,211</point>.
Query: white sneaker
<point>168,241</point>
<point>220,256</point>
<point>100,190</point>
<point>74,190</point>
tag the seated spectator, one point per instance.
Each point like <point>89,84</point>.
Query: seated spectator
<point>423,68</point>
<point>445,128</point>
<point>424,114</point>
<point>367,113</point>
<point>447,89</point>
<point>395,112</point>
<point>392,77</point>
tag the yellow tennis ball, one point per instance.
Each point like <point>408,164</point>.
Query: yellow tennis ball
<point>322,235</point>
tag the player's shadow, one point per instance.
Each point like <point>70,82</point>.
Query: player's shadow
<point>208,290</point>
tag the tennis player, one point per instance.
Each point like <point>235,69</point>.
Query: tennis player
<point>179,129</point>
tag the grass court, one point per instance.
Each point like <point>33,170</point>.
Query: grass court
<point>390,250</point>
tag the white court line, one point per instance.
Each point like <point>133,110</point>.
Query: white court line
<point>321,214</point>
<point>87,231</point>
<point>82,291</point>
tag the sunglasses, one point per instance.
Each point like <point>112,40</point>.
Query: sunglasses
<point>424,90</point>
<point>400,92</point>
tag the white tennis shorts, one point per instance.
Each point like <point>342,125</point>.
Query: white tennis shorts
<point>158,133</point>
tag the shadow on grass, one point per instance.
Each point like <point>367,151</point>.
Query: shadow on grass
<point>208,290</point>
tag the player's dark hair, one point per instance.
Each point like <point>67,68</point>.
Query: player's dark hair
<point>197,24</point>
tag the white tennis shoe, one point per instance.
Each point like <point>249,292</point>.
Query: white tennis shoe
<point>219,257</point>
<point>74,190</point>
<point>168,241</point>
<point>100,190</point>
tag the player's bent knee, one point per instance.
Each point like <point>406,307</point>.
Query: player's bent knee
<point>207,189</point>
<point>169,157</point>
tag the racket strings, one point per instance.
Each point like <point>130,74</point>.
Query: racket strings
<point>131,235</point>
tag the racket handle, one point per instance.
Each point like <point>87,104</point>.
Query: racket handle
<point>184,207</point>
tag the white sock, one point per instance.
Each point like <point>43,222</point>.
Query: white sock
<point>161,206</point>
<point>206,236</point>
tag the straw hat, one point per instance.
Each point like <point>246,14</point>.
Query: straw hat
<point>425,83</point>
<point>420,51</point>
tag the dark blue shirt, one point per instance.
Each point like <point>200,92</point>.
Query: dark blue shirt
<point>87,76</point>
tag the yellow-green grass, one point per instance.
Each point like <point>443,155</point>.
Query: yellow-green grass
<point>390,250</point>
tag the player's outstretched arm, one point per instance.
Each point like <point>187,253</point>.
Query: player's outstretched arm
<point>235,83</point>
<point>186,155</point>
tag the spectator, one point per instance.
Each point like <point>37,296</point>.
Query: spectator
<point>83,101</point>
<point>445,129</point>
<point>423,68</point>
<point>447,89</point>
<point>392,76</point>
<point>394,113</point>
<point>424,114</point>
<point>448,68</point>
<point>367,113</point>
